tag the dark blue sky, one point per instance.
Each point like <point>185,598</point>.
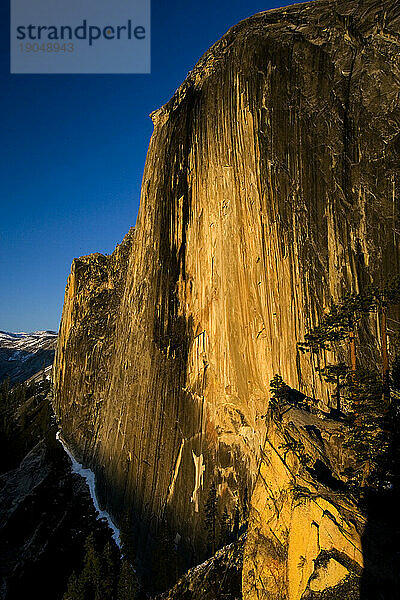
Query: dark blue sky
<point>72,154</point>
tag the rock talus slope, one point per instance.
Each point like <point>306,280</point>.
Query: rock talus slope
<point>271,186</point>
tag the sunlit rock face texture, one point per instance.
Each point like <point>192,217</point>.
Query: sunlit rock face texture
<point>305,535</point>
<point>271,187</point>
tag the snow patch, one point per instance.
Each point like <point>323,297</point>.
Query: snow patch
<point>90,479</point>
<point>8,335</point>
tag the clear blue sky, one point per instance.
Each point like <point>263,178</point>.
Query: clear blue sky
<point>72,154</point>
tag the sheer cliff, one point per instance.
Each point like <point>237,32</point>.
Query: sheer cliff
<point>271,187</point>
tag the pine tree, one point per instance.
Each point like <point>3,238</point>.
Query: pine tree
<point>110,562</point>
<point>280,396</point>
<point>165,560</point>
<point>337,375</point>
<point>341,320</point>
<point>283,397</point>
<point>91,577</point>
<point>236,522</point>
<point>210,511</point>
<point>5,387</point>
<point>395,375</point>
<point>128,584</point>
<point>392,463</point>
<point>386,296</point>
<point>339,324</point>
<point>100,575</point>
<point>126,537</point>
<point>245,503</point>
<point>74,589</point>
<point>368,436</point>
<point>225,533</point>
<point>5,404</point>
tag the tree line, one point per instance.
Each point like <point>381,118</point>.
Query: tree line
<point>366,399</point>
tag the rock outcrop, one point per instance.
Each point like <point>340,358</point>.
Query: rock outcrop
<point>271,187</point>
<point>218,577</point>
<point>304,531</point>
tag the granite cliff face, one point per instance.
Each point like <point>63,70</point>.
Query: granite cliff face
<point>271,187</point>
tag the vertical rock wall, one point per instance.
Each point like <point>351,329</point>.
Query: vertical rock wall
<point>271,186</point>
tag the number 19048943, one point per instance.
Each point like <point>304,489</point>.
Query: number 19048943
<point>49,47</point>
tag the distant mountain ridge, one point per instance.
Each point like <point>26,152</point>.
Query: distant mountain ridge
<point>23,334</point>
<point>24,354</point>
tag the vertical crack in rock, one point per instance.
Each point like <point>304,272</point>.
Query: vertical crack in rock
<point>176,471</point>
<point>198,479</point>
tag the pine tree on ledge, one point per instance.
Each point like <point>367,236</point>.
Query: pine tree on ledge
<point>340,324</point>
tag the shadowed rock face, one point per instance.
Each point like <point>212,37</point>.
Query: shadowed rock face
<point>271,186</point>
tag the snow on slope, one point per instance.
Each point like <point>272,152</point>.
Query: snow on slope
<point>24,354</point>
<point>89,477</point>
<point>28,341</point>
